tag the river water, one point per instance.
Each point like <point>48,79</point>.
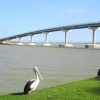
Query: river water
<point>56,65</point>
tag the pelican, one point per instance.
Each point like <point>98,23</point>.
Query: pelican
<point>33,83</point>
<point>98,72</point>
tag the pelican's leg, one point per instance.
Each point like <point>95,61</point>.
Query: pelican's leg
<point>34,92</point>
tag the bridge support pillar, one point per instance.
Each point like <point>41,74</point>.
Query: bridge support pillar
<point>46,39</point>
<point>19,41</point>
<point>93,45</point>
<point>66,44</point>
<point>31,43</point>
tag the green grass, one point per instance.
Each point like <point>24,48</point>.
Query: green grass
<point>88,89</point>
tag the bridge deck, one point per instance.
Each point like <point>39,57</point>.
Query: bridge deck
<point>76,26</point>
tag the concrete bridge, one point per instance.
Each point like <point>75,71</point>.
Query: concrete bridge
<point>93,26</point>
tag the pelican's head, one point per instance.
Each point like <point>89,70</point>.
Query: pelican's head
<point>35,69</point>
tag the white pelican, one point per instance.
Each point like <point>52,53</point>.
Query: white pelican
<point>33,83</point>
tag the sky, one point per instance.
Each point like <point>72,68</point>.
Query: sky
<point>21,16</point>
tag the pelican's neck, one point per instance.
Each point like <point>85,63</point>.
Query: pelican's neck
<point>37,77</point>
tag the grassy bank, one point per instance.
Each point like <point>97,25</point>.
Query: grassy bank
<point>88,89</point>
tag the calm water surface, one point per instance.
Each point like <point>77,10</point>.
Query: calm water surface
<point>56,65</point>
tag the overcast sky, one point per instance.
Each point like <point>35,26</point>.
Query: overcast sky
<point>20,16</point>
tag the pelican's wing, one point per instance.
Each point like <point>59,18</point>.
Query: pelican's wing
<point>27,87</point>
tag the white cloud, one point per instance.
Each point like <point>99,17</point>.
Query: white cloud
<point>75,10</point>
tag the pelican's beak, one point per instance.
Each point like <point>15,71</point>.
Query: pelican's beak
<point>39,74</point>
